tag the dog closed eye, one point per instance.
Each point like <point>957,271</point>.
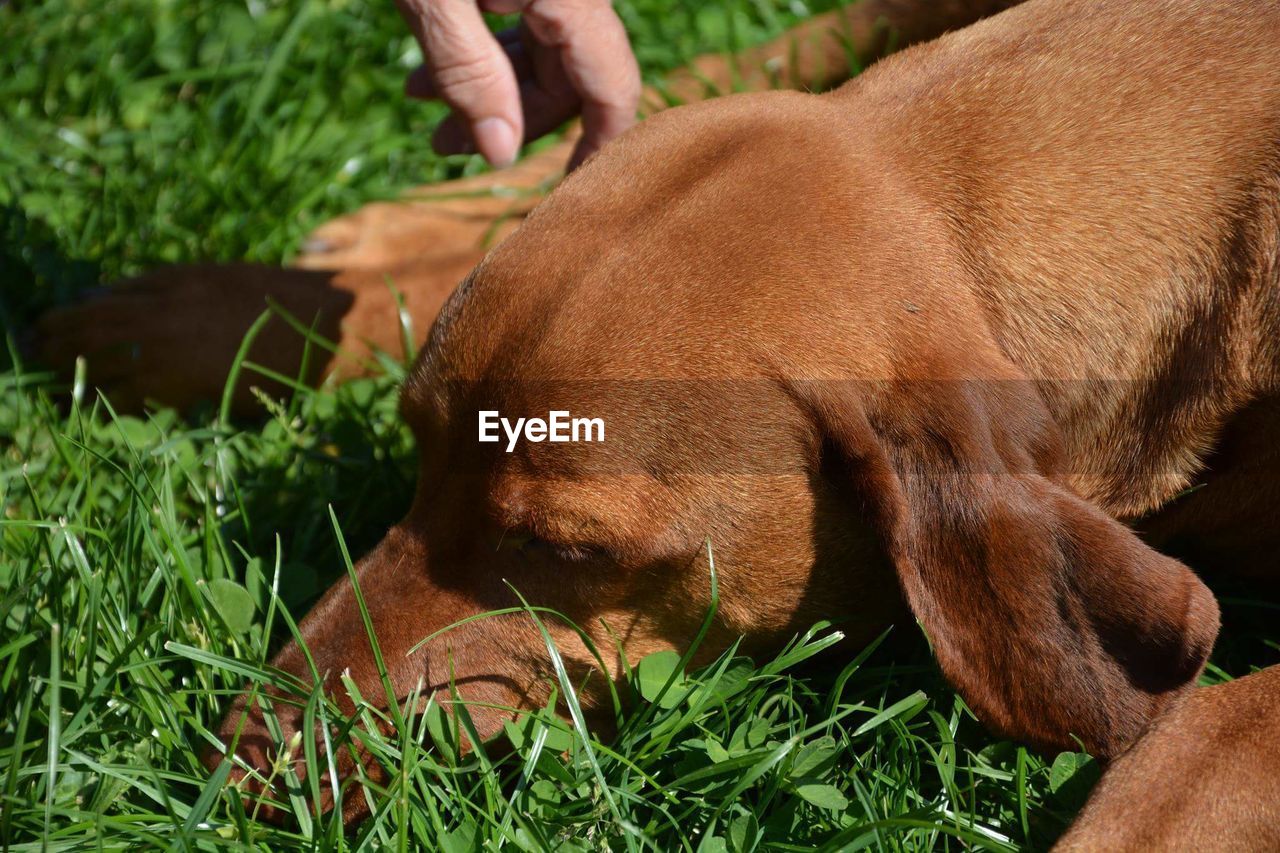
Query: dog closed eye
<point>532,546</point>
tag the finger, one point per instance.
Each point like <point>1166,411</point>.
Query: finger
<point>590,142</point>
<point>547,99</point>
<point>598,61</point>
<point>420,86</point>
<point>543,113</point>
<point>518,55</point>
<point>452,136</point>
<point>470,72</point>
<point>547,96</point>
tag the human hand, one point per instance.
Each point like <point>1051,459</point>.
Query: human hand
<point>566,57</point>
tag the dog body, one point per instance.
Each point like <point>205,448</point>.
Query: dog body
<point>1203,778</point>
<point>136,334</point>
<point>926,337</point>
<point>1119,239</point>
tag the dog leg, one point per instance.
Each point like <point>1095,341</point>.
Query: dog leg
<point>1202,778</point>
<point>171,335</point>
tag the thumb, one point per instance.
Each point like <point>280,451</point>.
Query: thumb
<point>470,72</point>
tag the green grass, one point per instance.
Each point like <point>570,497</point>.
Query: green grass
<point>140,559</point>
<point>149,566</point>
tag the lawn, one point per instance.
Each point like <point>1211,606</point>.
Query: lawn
<point>149,565</point>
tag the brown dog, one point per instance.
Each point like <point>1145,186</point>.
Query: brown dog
<point>936,331</point>
<point>137,335</point>
<point>1203,778</point>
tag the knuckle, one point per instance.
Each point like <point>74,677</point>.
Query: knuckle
<point>456,54</point>
<point>557,21</point>
<point>465,73</point>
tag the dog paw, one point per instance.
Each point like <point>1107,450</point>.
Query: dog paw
<point>464,216</point>
<point>387,234</point>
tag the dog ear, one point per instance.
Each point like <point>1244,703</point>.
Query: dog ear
<point>1052,619</point>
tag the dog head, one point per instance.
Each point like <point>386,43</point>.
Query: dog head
<point>758,327</point>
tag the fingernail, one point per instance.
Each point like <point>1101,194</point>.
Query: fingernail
<point>496,140</point>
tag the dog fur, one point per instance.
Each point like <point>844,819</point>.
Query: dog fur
<point>945,336</point>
